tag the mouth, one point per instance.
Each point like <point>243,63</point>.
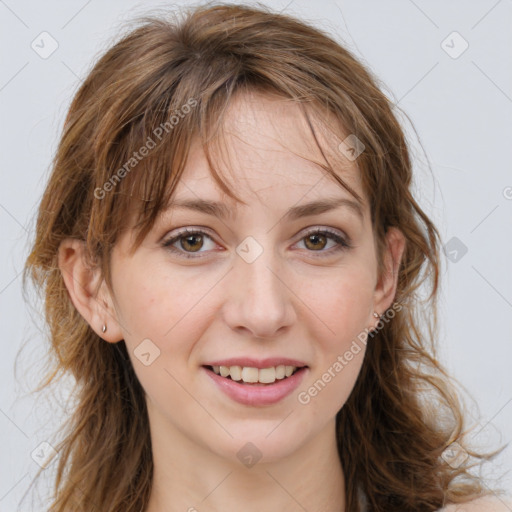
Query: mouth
<point>255,376</point>
<point>256,387</point>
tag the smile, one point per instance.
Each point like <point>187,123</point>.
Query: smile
<point>246,385</point>
<point>250,375</point>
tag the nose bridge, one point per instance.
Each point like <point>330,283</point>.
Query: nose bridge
<point>256,264</point>
<point>262,299</point>
<point>261,277</point>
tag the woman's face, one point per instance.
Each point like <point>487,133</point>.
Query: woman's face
<point>254,284</point>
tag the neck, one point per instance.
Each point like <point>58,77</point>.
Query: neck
<point>189,477</point>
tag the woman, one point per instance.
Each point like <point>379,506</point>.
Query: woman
<point>231,256</point>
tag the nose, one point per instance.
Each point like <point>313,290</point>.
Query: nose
<point>259,301</point>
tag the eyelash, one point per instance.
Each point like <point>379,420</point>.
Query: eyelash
<point>343,244</point>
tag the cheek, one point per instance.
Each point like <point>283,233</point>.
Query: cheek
<point>140,307</point>
<point>342,301</point>
<point>159,314</point>
<point>329,392</point>
<point>167,307</point>
<point>340,341</point>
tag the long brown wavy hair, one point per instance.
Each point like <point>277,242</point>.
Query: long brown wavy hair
<point>170,79</point>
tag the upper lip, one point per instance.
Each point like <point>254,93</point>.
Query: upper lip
<point>250,362</point>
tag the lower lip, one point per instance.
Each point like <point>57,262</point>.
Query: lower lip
<point>258,394</point>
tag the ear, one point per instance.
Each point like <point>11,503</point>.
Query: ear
<point>88,291</point>
<point>386,287</point>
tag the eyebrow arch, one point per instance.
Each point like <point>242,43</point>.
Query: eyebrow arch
<point>220,210</point>
<point>322,206</point>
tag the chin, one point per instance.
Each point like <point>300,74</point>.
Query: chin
<point>260,442</point>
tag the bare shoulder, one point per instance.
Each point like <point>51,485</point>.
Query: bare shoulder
<point>487,504</point>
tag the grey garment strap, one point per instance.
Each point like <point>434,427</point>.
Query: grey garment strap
<point>363,501</point>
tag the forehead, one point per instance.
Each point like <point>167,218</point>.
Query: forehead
<point>267,152</point>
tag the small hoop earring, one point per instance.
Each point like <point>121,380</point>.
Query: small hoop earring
<point>104,328</point>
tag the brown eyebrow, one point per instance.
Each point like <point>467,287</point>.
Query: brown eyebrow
<point>322,206</point>
<point>220,210</point>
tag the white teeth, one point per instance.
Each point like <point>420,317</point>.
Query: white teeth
<point>267,375</point>
<point>235,372</point>
<point>252,375</point>
<point>249,374</point>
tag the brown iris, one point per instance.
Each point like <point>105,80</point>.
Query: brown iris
<point>193,246</point>
<point>315,237</point>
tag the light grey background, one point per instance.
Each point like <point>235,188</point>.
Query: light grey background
<point>461,108</point>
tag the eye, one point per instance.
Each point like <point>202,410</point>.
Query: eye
<point>190,241</point>
<point>317,239</point>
